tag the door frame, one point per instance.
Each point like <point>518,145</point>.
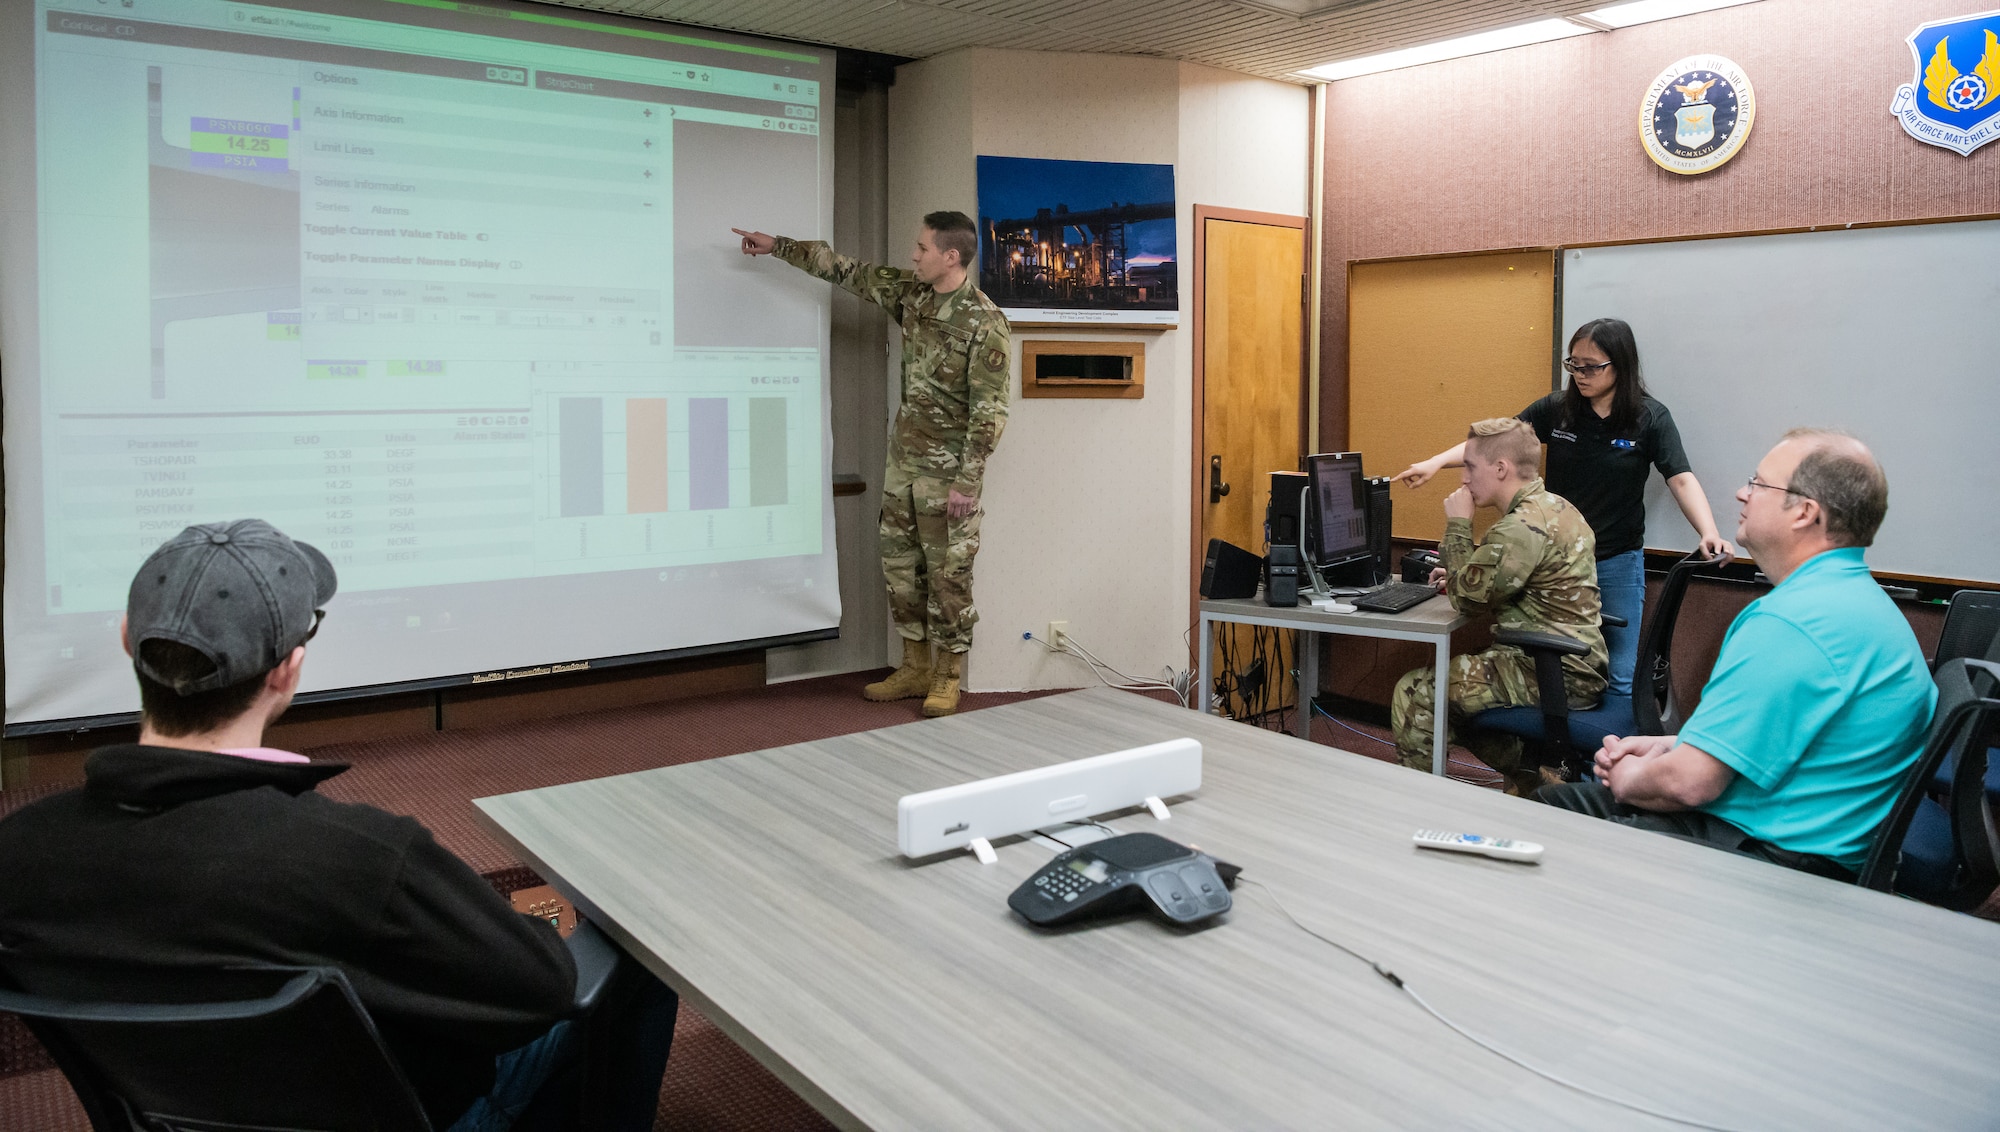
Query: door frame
<point>1198,493</point>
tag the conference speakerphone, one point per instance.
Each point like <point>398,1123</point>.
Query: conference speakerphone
<point>1183,885</point>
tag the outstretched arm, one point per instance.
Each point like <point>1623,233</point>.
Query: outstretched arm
<point>1420,473</point>
<point>883,286</point>
<point>1694,504</point>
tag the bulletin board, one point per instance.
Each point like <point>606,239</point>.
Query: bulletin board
<point>1435,344</point>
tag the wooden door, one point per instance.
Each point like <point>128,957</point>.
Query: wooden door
<point>1249,378</point>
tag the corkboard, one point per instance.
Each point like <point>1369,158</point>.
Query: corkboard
<point>1435,344</point>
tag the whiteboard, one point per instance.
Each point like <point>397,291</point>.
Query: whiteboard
<point>1892,334</point>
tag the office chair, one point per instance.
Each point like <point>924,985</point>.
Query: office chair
<point>1946,853</point>
<point>1569,738</point>
<point>1555,734</point>
<point>1660,713</point>
<point>1941,785</point>
<point>277,1049</point>
<point>1971,626</point>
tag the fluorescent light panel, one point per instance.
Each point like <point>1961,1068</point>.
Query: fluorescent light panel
<point>1519,35</point>
<point>1479,43</point>
<point>1646,11</point>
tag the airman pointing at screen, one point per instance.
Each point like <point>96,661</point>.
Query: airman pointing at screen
<point>954,405</point>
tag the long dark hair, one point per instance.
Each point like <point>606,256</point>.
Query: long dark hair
<point>1628,396</point>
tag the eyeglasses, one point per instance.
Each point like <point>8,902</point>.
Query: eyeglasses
<point>1756,483</point>
<point>319,615</point>
<point>1582,369</point>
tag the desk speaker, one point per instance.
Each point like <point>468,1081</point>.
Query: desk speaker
<point>1229,571</point>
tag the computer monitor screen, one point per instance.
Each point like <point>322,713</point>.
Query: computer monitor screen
<point>1340,507</point>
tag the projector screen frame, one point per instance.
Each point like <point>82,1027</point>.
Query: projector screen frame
<point>21,338</point>
<point>525,679</point>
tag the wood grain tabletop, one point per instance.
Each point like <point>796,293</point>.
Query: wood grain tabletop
<point>896,994</point>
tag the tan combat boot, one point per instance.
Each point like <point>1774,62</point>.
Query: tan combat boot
<point>943,699</point>
<point>913,679</point>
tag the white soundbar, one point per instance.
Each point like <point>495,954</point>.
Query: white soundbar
<point>973,813</point>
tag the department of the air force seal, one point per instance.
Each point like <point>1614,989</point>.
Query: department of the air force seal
<point>1958,67</point>
<point>1697,114</point>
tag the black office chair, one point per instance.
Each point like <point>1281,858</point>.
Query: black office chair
<point>1941,784</point>
<point>1946,852</point>
<point>1660,713</point>
<point>1971,626</point>
<point>1566,738</point>
<point>274,1049</point>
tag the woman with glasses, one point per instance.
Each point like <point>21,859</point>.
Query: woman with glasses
<point>1605,434</point>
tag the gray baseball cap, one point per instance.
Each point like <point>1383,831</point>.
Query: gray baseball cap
<point>242,594</point>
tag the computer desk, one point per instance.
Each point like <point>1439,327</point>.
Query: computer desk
<point>1430,623</point>
<point>766,888</point>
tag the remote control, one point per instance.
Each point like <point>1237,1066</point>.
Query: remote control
<point>1498,847</point>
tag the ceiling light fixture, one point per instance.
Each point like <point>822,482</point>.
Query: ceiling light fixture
<point>1519,35</point>
<point>1646,11</point>
<point>1479,43</point>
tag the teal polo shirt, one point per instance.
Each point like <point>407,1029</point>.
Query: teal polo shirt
<point>1819,702</point>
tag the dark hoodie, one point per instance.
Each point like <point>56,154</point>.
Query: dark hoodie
<point>171,860</point>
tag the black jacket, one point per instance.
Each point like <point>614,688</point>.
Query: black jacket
<point>170,859</point>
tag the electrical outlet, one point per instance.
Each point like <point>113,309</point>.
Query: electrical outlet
<point>1058,633</point>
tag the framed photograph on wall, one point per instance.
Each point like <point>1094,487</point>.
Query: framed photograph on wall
<point>1068,243</point>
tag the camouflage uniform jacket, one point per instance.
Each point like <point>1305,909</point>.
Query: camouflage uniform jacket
<point>954,364</point>
<point>1535,569</point>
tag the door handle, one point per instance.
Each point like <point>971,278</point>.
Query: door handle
<point>1216,488</point>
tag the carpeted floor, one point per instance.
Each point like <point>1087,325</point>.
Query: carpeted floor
<point>711,1084</point>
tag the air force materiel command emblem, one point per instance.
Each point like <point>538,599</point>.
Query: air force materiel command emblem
<point>1697,114</point>
<point>1958,71</point>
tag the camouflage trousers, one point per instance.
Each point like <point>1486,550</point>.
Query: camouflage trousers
<point>927,561</point>
<point>1498,677</point>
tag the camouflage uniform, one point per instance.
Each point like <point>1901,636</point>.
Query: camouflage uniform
<point>1536,569</point>
<point>954,406</point>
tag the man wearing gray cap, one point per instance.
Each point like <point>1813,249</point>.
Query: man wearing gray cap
<point>198,847</point>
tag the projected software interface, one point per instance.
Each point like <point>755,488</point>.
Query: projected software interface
<point>407,292</point>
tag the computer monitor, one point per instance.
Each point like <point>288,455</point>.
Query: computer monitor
<point>1338,518</point>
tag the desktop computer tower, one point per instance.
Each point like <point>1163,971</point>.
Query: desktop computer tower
<point>1284,522</point>
<point>1284,575</point>
<point>1380,512</point>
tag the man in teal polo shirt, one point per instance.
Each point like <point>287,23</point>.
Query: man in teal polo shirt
<point>1819,701</point>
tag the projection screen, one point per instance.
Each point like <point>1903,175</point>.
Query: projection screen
<point>447,290</point>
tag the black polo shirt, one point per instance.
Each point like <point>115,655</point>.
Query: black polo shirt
<point>1604,473</point>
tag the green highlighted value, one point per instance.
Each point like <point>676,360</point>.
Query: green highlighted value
<point>236,143</point>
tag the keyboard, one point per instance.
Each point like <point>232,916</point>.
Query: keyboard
<point>1395,597</point>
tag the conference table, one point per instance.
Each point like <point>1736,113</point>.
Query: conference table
<point>1430,623</point>
<point>894,994</point>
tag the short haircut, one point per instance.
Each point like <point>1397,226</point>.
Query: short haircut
<point>954,232</point>
<point>1507,438</point>
<point>1841,475</point>
<point>172,714</point>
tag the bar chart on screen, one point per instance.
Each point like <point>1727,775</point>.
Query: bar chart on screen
<point>717,460</point>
